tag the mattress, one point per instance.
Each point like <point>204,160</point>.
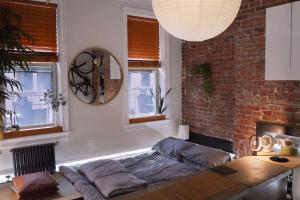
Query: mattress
<point>155,167</point>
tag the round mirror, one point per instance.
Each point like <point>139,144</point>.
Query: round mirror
<point>95,76</point>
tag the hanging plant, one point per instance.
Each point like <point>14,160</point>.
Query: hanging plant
<point>204,70</point>
<point>13,56</point>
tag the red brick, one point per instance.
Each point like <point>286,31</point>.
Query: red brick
<point>242,96</point>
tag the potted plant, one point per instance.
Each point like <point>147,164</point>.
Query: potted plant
<point>13,55</point>
<point>53,99</point>
<point>12,125</point>
<point>160,100</point>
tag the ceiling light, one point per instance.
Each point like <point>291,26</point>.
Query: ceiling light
<point>195,20</point>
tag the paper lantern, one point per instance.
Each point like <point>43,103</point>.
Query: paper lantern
<point>195,20</point>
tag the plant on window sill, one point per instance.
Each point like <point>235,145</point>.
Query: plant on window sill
<point>160,100</point>
<point>13,55</point>
<point>13,126</point>
<point>56,100</point>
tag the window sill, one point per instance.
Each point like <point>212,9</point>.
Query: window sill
<point>31,132</point>
<point>33,140</point>
<point>147,119</point>
<point>140,127</point>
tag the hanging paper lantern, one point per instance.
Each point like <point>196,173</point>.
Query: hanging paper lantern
<point>195,20</point>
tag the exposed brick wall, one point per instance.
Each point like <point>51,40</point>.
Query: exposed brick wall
<point>241,95</point>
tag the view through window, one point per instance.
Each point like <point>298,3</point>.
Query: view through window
<point>29,108</point>
<point>141,102</point>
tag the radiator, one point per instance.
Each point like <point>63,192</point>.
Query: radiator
<point>32,159</point>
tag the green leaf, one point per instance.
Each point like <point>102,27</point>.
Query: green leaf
<point>13,55</point>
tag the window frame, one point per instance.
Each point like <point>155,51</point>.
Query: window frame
<point>156,70</point>
<point>62,116</point>
<point>54,84</point>
<point>164,80</point>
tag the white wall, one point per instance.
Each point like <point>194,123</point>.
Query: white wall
<point>100,130</point>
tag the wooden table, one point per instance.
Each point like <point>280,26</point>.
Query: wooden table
<point>254,179</point>
<point>252,172</point>
<point>206,185</point>
<point>66,190</point>
<point>294,165</point>
<point>294,161</point>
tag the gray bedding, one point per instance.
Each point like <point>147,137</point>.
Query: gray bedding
<point>156,168</point>
<point>81,183</point>
<point>151,168</point>
<point>200,156</point>
<point>111,178</point>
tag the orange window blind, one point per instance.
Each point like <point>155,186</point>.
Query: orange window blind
<point>143,40</point>
<point>38,19</point>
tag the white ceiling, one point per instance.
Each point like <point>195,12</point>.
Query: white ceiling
<point>143,4</point>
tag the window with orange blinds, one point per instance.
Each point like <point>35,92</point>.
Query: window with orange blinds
<point>38,19</point>
<point>143,42</point>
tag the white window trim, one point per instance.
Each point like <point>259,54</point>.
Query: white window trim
<point>62,65</point>
<point>62,87</point>
<point>52,66</point>
<point>164,79</point>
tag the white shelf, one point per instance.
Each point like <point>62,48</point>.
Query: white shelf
<point>33,140</point>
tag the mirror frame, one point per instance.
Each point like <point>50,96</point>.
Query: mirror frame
<point>121,74</point>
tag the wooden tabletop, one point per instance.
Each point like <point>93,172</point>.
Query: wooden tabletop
<point>205,185</point>
<point>252,172</point>
<point>66,190</point>
<point>294,161</point>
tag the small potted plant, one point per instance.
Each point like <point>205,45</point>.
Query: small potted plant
<point>13,118</point>
<point>160,100</point>
<point>54,100</point>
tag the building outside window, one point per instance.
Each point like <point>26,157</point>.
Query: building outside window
<point>141,102</point>
<point>28,104</point>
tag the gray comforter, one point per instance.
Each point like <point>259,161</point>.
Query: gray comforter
<point>173,158</point>
<point>111,178</point>
<point>156,168</point>
<point>153,168</point>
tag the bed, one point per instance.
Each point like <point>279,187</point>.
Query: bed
<point>169,159</point>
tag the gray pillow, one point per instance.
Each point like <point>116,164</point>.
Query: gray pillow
<point>172,147</point>
<point>202,156</point>
<point>81,184</point>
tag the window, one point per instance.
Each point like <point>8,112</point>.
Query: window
<point>141,102</point>
<point>143,66</point>
<point>38,19</point>
<point>28,105</point>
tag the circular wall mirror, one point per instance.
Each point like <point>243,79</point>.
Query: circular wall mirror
<point>95,76</point>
